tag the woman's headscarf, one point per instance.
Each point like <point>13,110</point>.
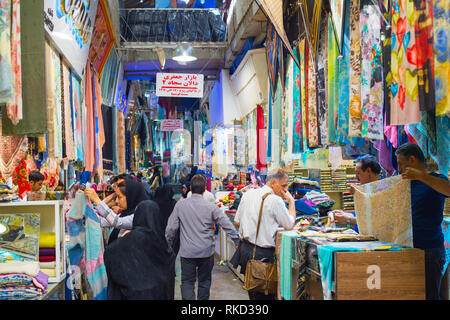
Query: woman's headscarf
<point>164,197</point>
<point>135,194</point>
<point>138,263</point>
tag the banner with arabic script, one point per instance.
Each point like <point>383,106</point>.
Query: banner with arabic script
<point>179,85</point>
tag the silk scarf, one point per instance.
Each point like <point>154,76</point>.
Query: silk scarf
<point>90,129</point>
<point>12,150</point>
<point>371,73</point>
<point>404,84</point>
<point>322,107</point>
<point>333,83</point>
<point>441,49</point>
<point>6,83</point>
<point>297,136</point>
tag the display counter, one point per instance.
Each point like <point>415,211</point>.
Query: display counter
<point>51,220</point>
<point>367,270</point>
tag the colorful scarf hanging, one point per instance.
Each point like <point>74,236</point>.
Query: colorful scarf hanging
<point>355,123</point>
<point>423,52</point>
<point>312,14</point>
<point>58,120</point>
<point>51,99</point>
<point>12,150</point>
<point>90,129</point>
<point>333,83</point>
<point>78,117</point>
<point>371,72</point>
<point>98,125</point>
<point>289,118</point>
<point>14,108</point>
<point>441,49</point>
<point>304,95</point>
<point>297,136</point>
<point>313,130</point>
<point>385,10</point>
<point>121,141</point>
<point>20,179</point>
<point>344,68</point>
<point>272,45</point>
<point>6,83</point>
<point>276,123</point>
<point>261,141</point>
<point>322,107</point>
<point>67,107</point>
<point>404,85</point>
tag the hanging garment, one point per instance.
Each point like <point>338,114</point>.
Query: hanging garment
<point>354,129</point>
<point>322,102</point>
<point>383,209</point>
<point>260,137</point>
<point>276,124</point>
<point>90,118</point>
<point>20,178</point>
<point>304,95</point>
<point>441,49</point>
<point>14,108</point>
<point>286,264</point>
<point>371,72</point>
<point>67,121</point>
<point>423,52</point>
<point>12,150</point>
<point>58,120</point>
<point>386,11</point>
<point>384,155</point>
<point>297,136</point>
<point>289,119</point>
<point>98,125</point>
<point>77,116</point>
<point>343,107</point>
<point>51,98</point>
<point>6,80</point>
<point>404,83</point>
<point>333,83</point>
<point>313,131</point>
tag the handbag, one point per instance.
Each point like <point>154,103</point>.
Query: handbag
<point>260,276</point>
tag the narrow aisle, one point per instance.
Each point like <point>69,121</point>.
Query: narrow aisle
<point>225,284</point>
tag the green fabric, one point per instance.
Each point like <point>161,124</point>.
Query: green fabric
<point>333,83</point>
<point>287,242</point>
<point>34,120</point>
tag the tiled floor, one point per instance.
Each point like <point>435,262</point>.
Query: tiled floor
<point>225,284</point>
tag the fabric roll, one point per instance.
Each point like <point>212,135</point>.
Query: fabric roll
<point>14,108</point>
<point>47,258</point>
<point>47,251</point>
<point>404,84</point>
<point>47,240</point>
<point>355,123</point>
<point>49,272</point>
<point>441,48</point>
<point>30,268</point>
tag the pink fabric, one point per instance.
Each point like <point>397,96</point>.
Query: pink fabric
<point>91,265</point>
<point>391,133</point>
<point>90,130</point>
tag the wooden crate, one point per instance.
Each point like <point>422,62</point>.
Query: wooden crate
<point>380,275</point>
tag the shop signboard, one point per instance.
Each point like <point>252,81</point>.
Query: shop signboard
<point>171,124</point>
<point>69,25</point>
<point>179,85</point>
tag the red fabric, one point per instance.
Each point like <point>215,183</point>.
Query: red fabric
<point>261,142</point>
<point>20,178</point>
<point>47,258</point>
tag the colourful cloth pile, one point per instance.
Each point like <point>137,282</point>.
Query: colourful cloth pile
<point>47,253</point>
<point>22,280</point>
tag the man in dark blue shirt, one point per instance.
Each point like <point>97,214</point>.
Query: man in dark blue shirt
<point>428,193</point>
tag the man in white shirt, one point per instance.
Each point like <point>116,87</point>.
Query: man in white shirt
<point>274,215</point>
<point>208,196</point>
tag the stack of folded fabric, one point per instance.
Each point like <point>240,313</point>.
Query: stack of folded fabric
<point>7,194</point>
<point>21,279</point>
<point>47,253</point>
<point>316,198</point>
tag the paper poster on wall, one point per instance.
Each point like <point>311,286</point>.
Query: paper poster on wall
<point>171,125</point>
<point>69,25</point>
<point>179,85</point>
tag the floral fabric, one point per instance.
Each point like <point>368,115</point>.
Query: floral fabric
<point>297,137</point>
<point>6,88</point>
<point>313,131</point>
<point>333,83</point>
<point>441,49</point>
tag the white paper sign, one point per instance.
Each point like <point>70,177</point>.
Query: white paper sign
<point>171,124</point>
<point>179,85</point>
<point>69,24</point>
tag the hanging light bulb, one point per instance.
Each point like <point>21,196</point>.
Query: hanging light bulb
<point>183,53</point>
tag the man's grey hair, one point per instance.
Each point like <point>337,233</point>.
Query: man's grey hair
<point>276,174</point>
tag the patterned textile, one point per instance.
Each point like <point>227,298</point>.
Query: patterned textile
<point>20,178</point>
<point>312,14</point>
<point>58,106</point>
<point>67,121</point>
<point>446,232</point>
<point>14,108</point>
<point>121,141</point>
<point>343,76</point>
<point>385,9</point>
<point>6,84</point>
<point>98,125</point>
<point>371,72</point>
<point>272,45</point>
<point>313,131</point>
<point>12,150</point>
<point>51,99</point>
<point>304,94</point>
<point>276,123</point>
<point>78,117</point>
<point>423,50</point>
<point>404,83</point>
<point>337,21</point>
<point>333,83</point>
<point>322,106</point>
<point>289,114</point>
<point>441,49</point>
<point>303,273</point>
<point>297,137</point>
<point>85,248</point>
<point>355,124</point>
<point>383,210</point>
<point>90,118</point>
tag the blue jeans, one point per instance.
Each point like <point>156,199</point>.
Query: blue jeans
<point>191,269</point>
<point>434,265</point>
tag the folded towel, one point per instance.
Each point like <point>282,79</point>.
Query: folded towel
<point>47,251</point>
<point>47,240</point>
<point>30,268</point>
<point>47,258</point>
<point>47,265</point>
<point>50,272</point>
